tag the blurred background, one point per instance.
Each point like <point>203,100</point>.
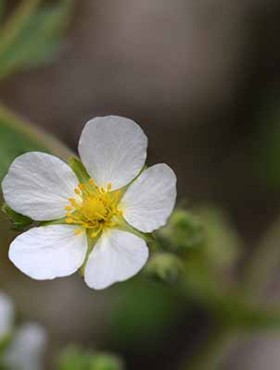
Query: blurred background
<point>202,79</point>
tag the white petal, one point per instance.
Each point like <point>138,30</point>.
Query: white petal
<point>6,315</point>
<point>117,256</point>
<point>39,185</point>
<point>27,350</point>
<point>113,150</point>
<point>150,199</point>
<point>48,252</point>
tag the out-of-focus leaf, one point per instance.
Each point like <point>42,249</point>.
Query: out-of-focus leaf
<point>39,39</point>
<point>2,9</point>
<point>74,358</point>
<point>141,321</point>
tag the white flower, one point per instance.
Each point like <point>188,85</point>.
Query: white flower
<point>98,214</point>
<point>28,343</point>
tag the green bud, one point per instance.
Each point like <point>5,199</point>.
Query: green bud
<point>222,243</point>
<point>184,231</point>
<point>164,267</point>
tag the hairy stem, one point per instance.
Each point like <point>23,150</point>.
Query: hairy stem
<point>9,118</point>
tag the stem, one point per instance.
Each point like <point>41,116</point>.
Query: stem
<point>16,22</point>
<point>53,145</point>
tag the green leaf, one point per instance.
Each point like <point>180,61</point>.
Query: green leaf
<point>74,358</point>
<point>2,9</point>
<point>39,38</point>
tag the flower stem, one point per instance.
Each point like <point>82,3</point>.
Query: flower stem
<point>54,146</point>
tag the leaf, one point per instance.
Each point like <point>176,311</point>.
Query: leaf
<point>39,39</point>
<point>73,358</point>
<point>2,9</point>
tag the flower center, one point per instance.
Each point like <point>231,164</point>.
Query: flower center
<point>95,209</point>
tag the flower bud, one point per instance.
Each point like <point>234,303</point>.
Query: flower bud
<point>164,267</point>
<point>184,231</point>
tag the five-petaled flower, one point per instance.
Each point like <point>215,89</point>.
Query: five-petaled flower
<point>96,223</point>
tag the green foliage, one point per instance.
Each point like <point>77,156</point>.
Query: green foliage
<point>32,38</point>
<point>2,9</point>
<point>143,313</point>
<point>74,359</point>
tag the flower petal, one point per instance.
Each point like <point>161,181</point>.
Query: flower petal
<point>113,150</point>
<point>150,199</point>
<point>6,315</point>
<point>39,185</point>
<point>27,349</point>
<point>48,252</point>
<point>117,256</point>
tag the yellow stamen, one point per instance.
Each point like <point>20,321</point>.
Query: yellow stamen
<point>95,209</point>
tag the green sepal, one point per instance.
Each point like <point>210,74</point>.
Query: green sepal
<point>59,221</point>
<point>79,169</point>
<point>124,226</point>
<point>19,222</point>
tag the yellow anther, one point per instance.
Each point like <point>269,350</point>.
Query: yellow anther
<point>96,208</point>
<point>91,182</point>
<point>78,231</point>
